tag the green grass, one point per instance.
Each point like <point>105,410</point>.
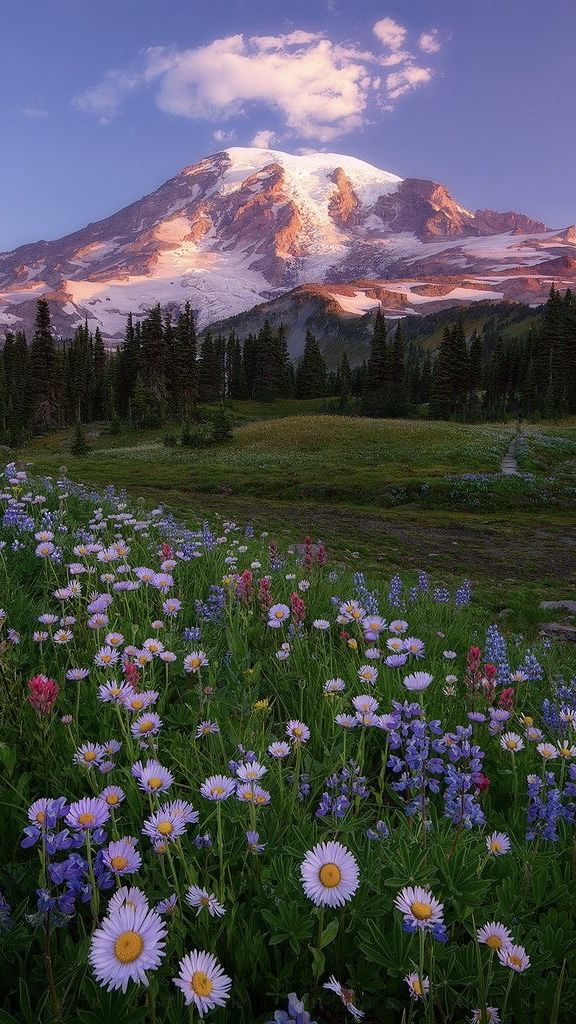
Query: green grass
<point>341,456</point>
<point>393,493</point>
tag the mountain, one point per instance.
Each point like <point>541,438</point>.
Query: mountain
<point>315,308</point>
<point>247,226</point>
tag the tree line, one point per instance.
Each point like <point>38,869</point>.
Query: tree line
<point>162,372</point>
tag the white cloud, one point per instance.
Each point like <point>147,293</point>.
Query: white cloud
<point>33,112</point>
<point>390,33</point>
<point>318,89</point>
<point>104,99</point>
<point>263,139</point>
<point>429,42</point>
<point>400,82</point>
<point>221,136</point>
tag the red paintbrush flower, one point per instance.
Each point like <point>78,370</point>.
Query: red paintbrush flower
<point>42,694</point>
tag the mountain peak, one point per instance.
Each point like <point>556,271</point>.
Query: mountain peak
<point>244,225</point>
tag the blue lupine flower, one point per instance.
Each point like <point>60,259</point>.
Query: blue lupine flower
<point>367,598</point>
<point>496,651</point>
<point>296,1013</point>
<point>395,592</point>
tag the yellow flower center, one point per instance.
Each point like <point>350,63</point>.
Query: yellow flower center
<point>330,875</point>
<point>495,846</point>
<point>564,751</point>
<point>195,662</point>
<point>137,704</point>
<point>297,731</point>
<point>204,901</point>
<point>514,960</point>
<point>119,863</point>
<point>416,986</point>
<point>247,794</point>
<point>112,799</point>
<point>279,614</point>
<point>165,828</point>
<point>154,782</point>
<point>115,691</point>
<point>41,817</point>
<point>217,790</point>
<point>86,819</point>
<point>89,755</point>
<point>421,911</point>
<point>128,947</point>
<point>146,726</point>
<point>494,942</point>
<point>201,983</point>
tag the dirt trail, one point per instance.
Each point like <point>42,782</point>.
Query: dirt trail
<point>510,460</point>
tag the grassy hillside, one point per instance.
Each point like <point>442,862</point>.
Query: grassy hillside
<point>396,493</point>
<point>338,333</point>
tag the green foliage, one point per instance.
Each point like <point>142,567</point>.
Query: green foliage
<point>79,447</point>
<point>272,940</point>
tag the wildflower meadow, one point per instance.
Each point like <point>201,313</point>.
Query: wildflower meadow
<point>243,782</point>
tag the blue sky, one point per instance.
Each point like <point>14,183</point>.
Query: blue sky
<point>104,101</point>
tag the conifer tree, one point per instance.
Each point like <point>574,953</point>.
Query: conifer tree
<point>311,372</point>
<point>98,375</point>
<point>397,397</point>
<point>44,371</point>
<point>376,380</point>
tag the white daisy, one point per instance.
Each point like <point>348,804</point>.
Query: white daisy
<point>329,874</point>
<point>203,981</point>
<point>128,943</point>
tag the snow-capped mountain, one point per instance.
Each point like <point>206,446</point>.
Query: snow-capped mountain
<point>244,226</point>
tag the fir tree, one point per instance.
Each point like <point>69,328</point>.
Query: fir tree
<point>311,372</point>
<point>376,382</point>
<point>397,399</point>
<point>44,371</point>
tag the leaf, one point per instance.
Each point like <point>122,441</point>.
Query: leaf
<point>8,757</point>
<point>25,1004</point>
<point>318,962</point>
<point>329,933</point>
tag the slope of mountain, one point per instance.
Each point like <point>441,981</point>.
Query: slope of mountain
<point>314,307</point>
<point>245,226</point>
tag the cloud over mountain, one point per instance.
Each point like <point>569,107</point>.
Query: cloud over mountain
<point>318,88</point>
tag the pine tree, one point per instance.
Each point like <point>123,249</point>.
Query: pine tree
<point>475,363</point>
<point>98,375</point>
<point>397,397</point>
<point>344,377</point>
<point>44,371</point>
<point>79,447</point>
<point>153,366</point>
<point>377,375</point>
<point>311,372</point>
<point>235,376</point>
<point>127,369</point>
<point>185,367</point>
<point>426,378</point>
<point>210,372</point>
<point>441,398</point>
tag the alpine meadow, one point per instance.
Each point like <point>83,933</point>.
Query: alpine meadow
<point>288,513</point>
